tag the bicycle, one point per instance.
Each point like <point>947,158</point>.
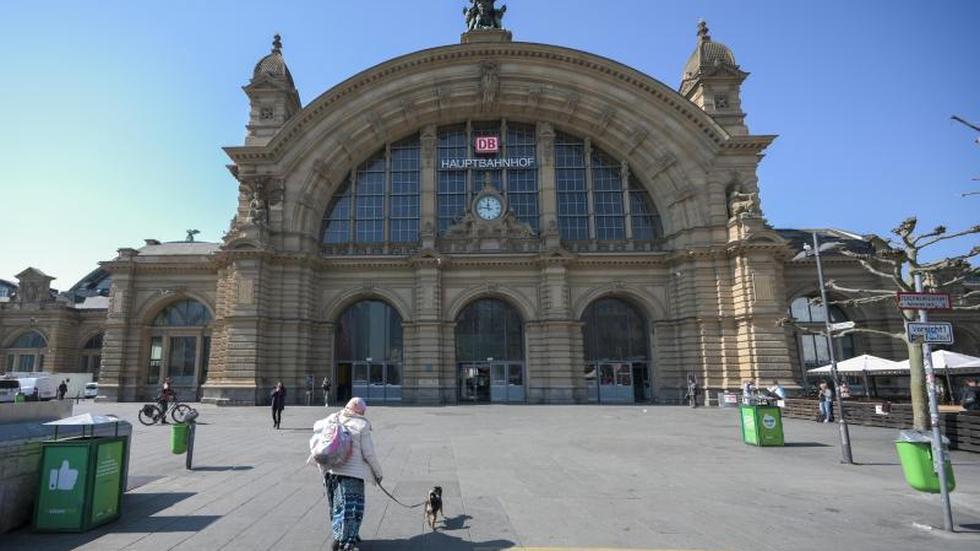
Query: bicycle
<point>151,414</point>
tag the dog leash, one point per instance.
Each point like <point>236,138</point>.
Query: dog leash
<point>395,499</point>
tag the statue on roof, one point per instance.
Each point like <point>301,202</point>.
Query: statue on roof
<point>482,14</point>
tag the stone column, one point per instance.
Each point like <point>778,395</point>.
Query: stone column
<point>554,342</point>
<point>118,378</point>
<point>424,380</point>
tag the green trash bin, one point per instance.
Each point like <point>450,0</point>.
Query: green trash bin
<point>80,483</point>
<point>915,454</point>
<point>178,438</point>
<point>761,425</point>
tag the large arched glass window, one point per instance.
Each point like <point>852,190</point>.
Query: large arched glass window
<point>369,352</point>
<point>597,199</point>
<point>179,347</point>
<point>26,352</point>
<point>616,352</point>
<point>90,359</point>
<point>489,329</point>
<point>380,202</point>
<point>457,185</point>
<point>808,312</point>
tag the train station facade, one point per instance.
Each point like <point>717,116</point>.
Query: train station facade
<point>489,221</point>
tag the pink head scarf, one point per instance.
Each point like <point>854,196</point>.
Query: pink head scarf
<point>356,406</point>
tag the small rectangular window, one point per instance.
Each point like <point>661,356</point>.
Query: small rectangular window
<point>394,374</point>
<point>156,356</point>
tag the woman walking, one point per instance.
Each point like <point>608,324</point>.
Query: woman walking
<point>345,484</point>
<point>278,404</point>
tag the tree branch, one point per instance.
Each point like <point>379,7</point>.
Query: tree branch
<point>898,336</point>
<point>944,237</point>
<point>894,276</point>
<point>832,284</point>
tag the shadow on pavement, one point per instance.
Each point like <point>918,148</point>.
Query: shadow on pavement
<point>457,522</point>
<point>137,518</point>
<point>436,540</point>
<point>218,469</point>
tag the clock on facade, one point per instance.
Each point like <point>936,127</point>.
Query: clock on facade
<point>489,207</point>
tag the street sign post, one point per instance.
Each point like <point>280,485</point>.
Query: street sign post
<point>929,332</point>
<point>842,326</point>
<point>924,301</point>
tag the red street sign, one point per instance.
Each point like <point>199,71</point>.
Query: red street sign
<point>924,301</point>
<point>487,144</point>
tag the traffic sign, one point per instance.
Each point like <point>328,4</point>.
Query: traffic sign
<point>842,326</point>
<point>929,332</point>
<point>923,301</point>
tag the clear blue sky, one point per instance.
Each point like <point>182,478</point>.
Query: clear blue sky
<point>114,112</point>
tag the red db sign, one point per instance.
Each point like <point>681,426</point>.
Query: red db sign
<point>487,144</point>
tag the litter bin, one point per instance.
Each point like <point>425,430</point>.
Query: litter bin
<point>761,425</point>
<point>178,438</point>
<point>81,479</point>
<point>915,453</point>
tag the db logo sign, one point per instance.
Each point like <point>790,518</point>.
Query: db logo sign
<point>487,144</point>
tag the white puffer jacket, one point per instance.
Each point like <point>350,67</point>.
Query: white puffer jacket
<point>363,462</point>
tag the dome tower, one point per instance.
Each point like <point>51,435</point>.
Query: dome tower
<point>272,96</point>
<point>712,80</point>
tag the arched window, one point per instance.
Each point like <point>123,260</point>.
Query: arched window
<point>369,352</point>
<point>380,202</point>
<point>186,313</point>
<point>813,351</point>
<point>26,352</point>
<point>490,352</point>
<point>180,347</point>
<point>90,359</point>
<point>458,184</point>
<point>597,199</point>
<point>616,352</point>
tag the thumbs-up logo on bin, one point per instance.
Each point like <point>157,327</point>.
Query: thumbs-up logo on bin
<point>63,478</point>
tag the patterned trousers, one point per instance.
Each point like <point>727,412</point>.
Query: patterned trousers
<point>346,498</point>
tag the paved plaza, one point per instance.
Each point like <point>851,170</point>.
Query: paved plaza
<point>575,477</point>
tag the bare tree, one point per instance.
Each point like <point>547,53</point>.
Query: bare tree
<point>896,266</point>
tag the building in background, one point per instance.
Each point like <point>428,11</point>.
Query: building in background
<point>489,221</point>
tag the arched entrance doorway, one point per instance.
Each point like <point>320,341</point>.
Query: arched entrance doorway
<point>26,353</point>
<point>180,346</point>
<point>617,368</point>
<point>490,353</point>
<point>90,359</point>
<point>369,352</point>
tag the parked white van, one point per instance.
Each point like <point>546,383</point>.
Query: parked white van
<point>9,389</point>
<point>46,388</point>
<point>91,390</point>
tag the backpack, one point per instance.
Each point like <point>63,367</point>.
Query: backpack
<point>331,444</point>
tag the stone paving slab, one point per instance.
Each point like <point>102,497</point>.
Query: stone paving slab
<point>529,477</point>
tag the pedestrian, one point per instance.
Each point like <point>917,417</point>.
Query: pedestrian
<point>692,390</point>
<point>278,404</point>
<point>62,390</point>
<point>844,389</point>
<point>971,396</point>
<point>345,484</point>
<point>747,389</point>
<point>325,385</point>
<point>166,396</point>
<point>826,395</point>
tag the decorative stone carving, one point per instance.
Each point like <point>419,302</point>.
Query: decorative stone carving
<point>246,291</point>
<point>534,94</point>
<point>429,141</point>
<point>489,85</point>
<point>409,110</point>
<point>571,104</point>
<point>258,212</point>
<point>743,204</point>
<point>637,137</point>
<point>546,137</point>
<point>376,125</point>
<point>605,119</point>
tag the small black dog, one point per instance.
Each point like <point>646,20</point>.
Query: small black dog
<point>433,506</point>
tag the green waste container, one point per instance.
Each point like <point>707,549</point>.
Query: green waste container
<point>761,425</point>
<point>178,438</point>
<point>80,483</point>
<point>915,454</point>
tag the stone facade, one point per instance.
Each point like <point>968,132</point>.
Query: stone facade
<point>710,287</point>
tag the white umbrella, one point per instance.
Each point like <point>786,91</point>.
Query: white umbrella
<point>859,364</point>
<point>946,360</point>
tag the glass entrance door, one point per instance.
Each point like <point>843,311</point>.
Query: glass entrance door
<point>483,382</point>
<point>376,381</point>
<point>611,382</point>
<point>474,383</point>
